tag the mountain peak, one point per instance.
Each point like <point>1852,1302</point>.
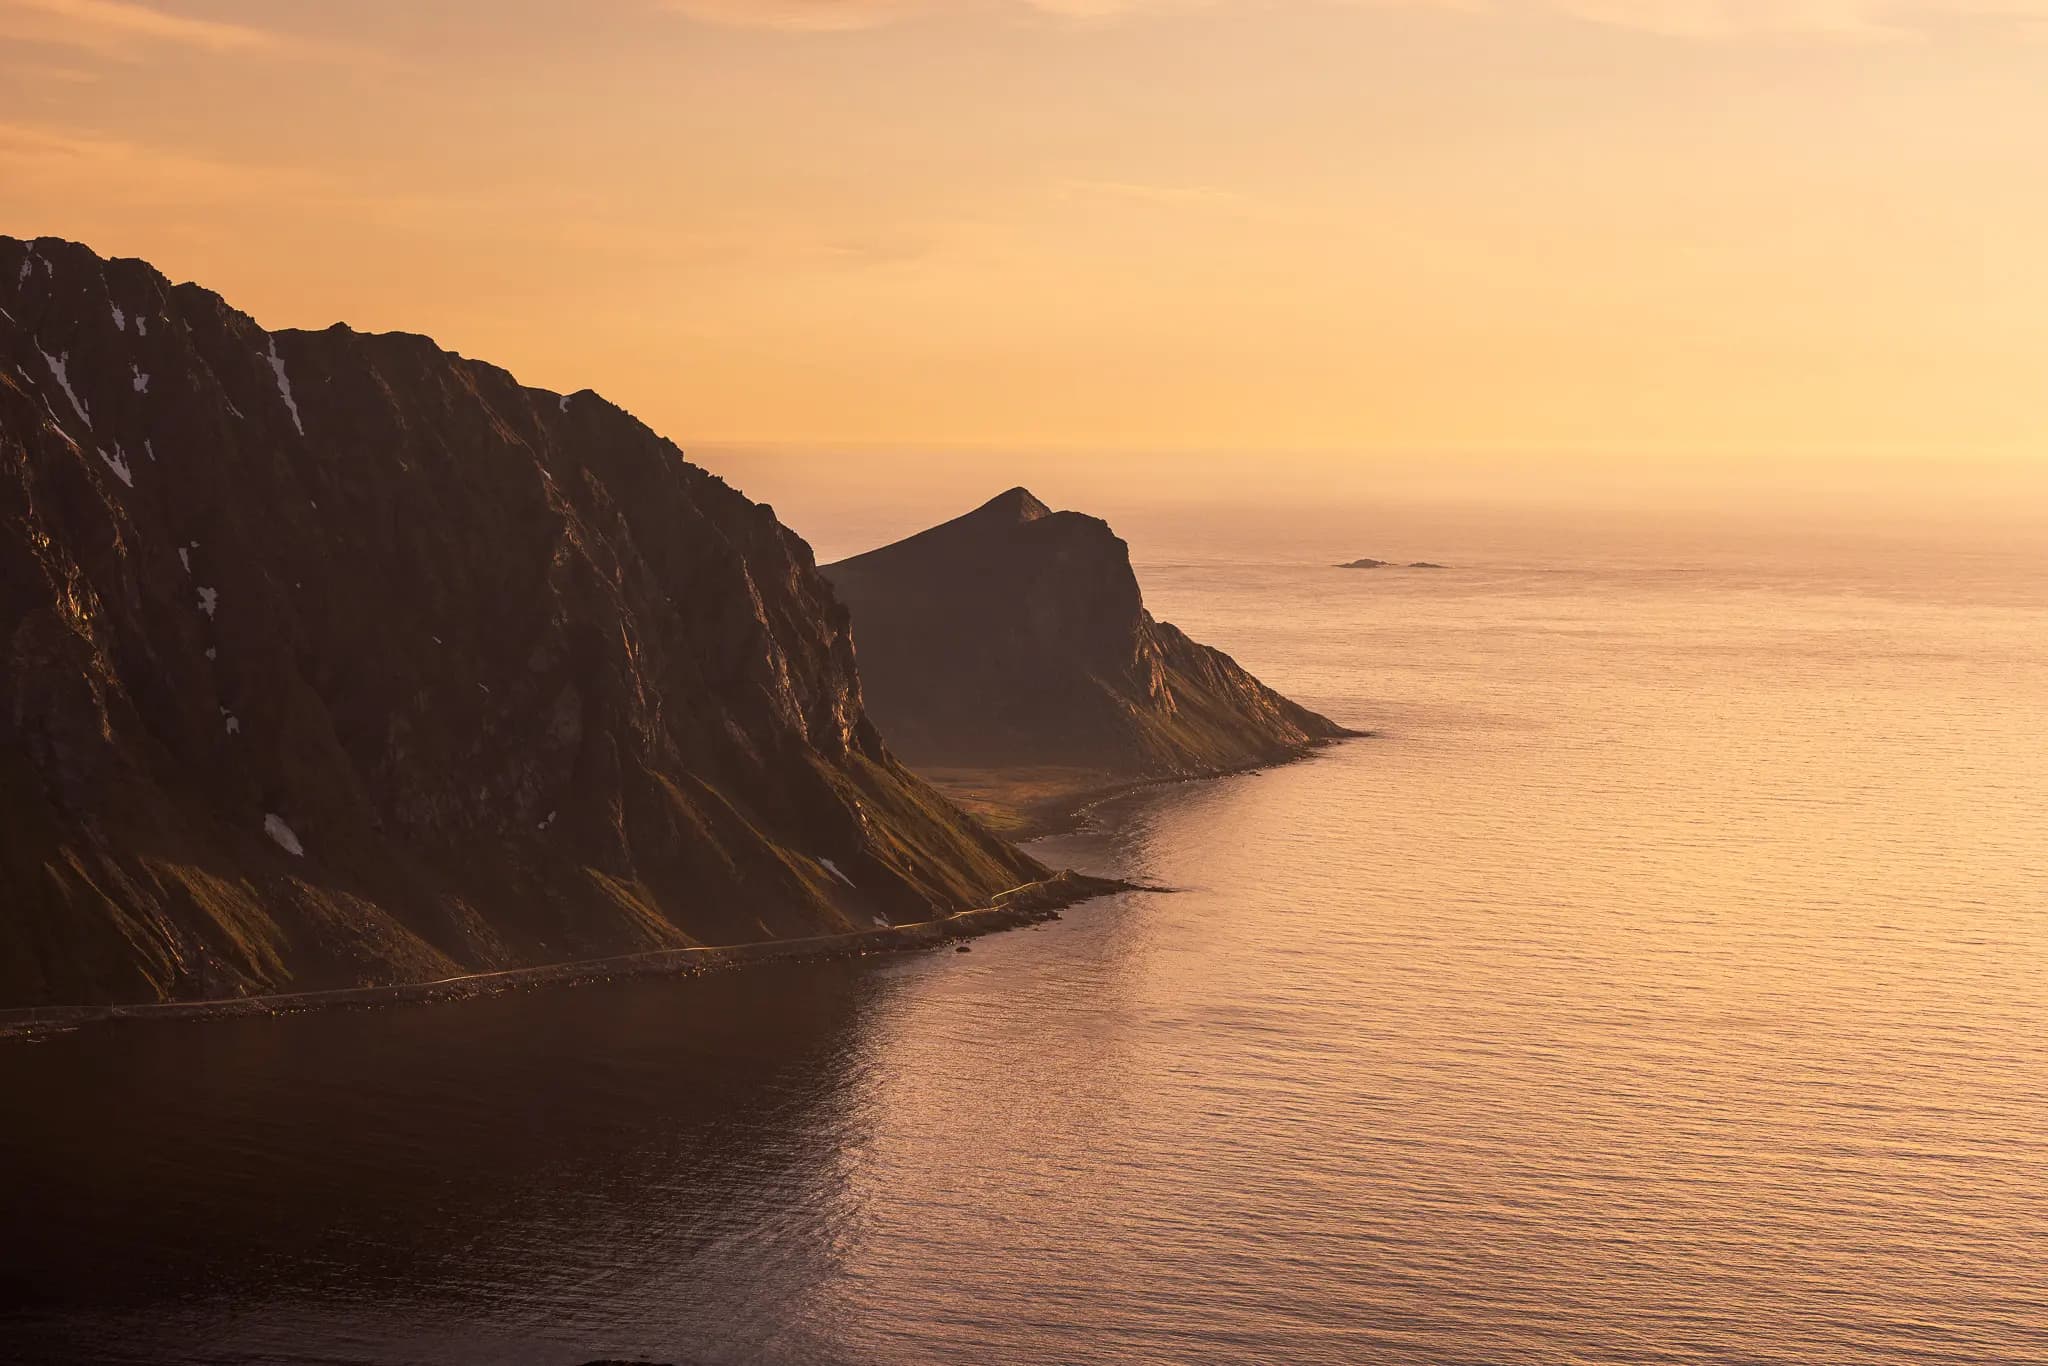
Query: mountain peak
<point>1017,505</point>
<point>1015,636</point>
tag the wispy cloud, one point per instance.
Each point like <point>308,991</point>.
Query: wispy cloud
<point>1851,20</point>
<point>1172,196</point>
<point>807,16</point>
<point>58,72</point>
<point>42,164</point>
<point>46,160</point>
<point>1843,20</point>
<point>116,26</point>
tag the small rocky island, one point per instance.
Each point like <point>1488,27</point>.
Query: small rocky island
<point>1390,564</point>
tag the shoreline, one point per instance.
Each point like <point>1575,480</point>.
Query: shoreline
<point>1067,810</point>
<point>1030,904</point>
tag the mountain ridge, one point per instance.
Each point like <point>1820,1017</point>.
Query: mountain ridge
<point>335,659</point>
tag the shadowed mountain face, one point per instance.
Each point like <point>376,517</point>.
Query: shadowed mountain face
<point>1016,636</point>
<point>332,659</point>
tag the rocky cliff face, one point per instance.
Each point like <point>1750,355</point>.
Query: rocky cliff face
<point>332,659</point>
<point>1017,636</point>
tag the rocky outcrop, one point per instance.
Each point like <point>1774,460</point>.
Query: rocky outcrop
<point>329,659</point>
<point>1389,564</point>
<point>1016,636</point>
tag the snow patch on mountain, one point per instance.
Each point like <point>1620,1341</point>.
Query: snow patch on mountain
<point>284,386</point>
<point>58,367</point>
<point>274,826</point>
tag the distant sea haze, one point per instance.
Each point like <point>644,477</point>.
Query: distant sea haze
<point>1666,981</point>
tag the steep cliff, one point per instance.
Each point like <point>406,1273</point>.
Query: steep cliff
<point>334,659</point>
<point>1016,637</point>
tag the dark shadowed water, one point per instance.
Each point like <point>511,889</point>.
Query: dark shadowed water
<point>1668,983</point>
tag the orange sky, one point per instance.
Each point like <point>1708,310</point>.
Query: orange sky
<point>1568,235</point>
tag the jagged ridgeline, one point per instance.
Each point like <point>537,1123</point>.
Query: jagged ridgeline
<point>335,659</point>
<point>1017,636</point>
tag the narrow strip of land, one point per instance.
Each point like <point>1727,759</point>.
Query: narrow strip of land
<point>1022,905</point>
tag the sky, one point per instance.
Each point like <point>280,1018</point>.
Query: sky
<point>1535,243</point>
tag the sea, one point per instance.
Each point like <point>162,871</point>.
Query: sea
<point>1663,980</point>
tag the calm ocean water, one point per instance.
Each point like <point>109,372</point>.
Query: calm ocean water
<point>1667,982</point>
